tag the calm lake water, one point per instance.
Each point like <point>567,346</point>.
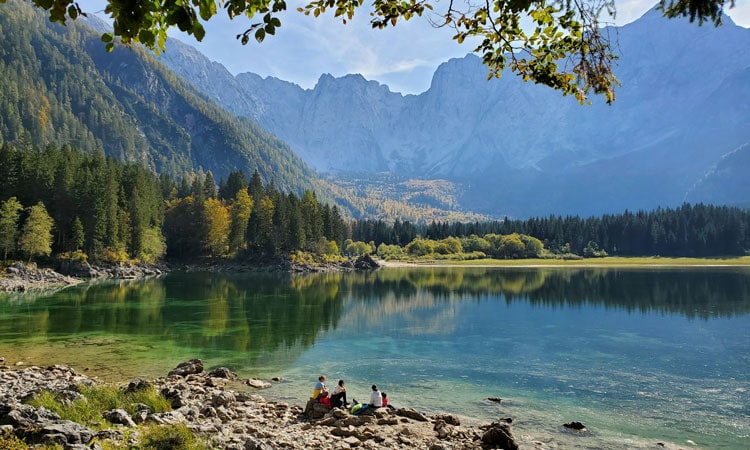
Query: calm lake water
<point>639,356</point>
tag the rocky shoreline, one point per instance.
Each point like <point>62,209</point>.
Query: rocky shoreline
<point>228,418</point>
<point>20,277</point>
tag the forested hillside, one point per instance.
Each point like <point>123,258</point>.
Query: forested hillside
<point>97,207</point>
<point>59,86</point>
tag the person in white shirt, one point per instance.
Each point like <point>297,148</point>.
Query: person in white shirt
<point>338,397</point>
<point>376,400</point>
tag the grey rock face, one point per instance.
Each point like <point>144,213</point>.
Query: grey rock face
<point>538,152</point>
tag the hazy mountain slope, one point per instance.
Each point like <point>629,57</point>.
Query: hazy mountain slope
<point>721,184</point>
<point>522,149</point>
<point>60,86</point>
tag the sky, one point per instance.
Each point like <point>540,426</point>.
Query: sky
<point>404,57</point>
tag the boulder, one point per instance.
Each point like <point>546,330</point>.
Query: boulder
<point>137,385</point>
<point>222,372</point>
<point>258,384</point>
<point>578,426</point>
<point>498,435</point>
<point>450,419</point>
<point>25,416</point>
<point>119,416</point>
<point>411,414</point>
<point>222,398</point>
<point>174,396</point>
<point>365,262</point>
<point>65,430</point>
<point>186,368</point>
<point>314,410</point>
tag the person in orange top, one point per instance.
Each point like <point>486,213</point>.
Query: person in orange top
<point>385,401</point>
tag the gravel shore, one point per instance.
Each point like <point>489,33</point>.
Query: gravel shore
<point>229,418</point>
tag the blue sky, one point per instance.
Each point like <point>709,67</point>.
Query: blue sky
<point>403,57</point>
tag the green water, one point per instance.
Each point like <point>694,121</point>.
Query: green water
<point>639,356</point>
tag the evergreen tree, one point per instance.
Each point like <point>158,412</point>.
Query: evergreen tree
<point>209,185</point>
<point>236,181</point>
<point>77,236</point>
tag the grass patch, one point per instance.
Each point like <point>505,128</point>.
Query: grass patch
<point>610,261</point>
<point>10,442</point>
<point>98,399</point>
<point>171,437</point>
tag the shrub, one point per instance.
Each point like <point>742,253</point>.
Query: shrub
<point>170,437</point>
<point>98,399</point>
<point>10,442</point>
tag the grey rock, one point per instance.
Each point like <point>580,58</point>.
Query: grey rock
<point>63,432</point>
<point>498,435</point>
<point>187,368</point>
<point>578,426</point>
<point>222,372</point>
<point>110,435</point>
<point>253,444</point>
<point>450,419</point>
<point>222,399</point>
<point>258,384</point>
<point>138,385</point>
<point>411,414</point>
<point>119,416</point>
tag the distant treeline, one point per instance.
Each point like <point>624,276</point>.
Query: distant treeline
<point>64,201</point>
<point>690,230</point>
<point>102,208</point>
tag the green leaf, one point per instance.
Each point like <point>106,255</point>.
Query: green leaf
<point>146,37</point>
<point>107,37</point>
<point>260,34</point>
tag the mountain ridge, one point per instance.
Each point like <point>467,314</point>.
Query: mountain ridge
<point>516,140</point>
<point>124,103</point>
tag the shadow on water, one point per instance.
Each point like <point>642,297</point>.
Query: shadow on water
<point>259,313</point>
<point>695,294</point>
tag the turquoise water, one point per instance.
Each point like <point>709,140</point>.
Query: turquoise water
<point>639,356</point>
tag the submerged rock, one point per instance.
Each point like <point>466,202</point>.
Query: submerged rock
<point>578,426</point>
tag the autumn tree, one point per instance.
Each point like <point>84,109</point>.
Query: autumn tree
<point>36,235</point>
<point>563,48</point>
<point>217,223</point>
<point>239,216</point>
<point>10,212</point>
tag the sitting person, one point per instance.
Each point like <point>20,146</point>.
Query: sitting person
<point>320,387</point>
<point>386,400</point>
<point>376,400</point>
<point>338,397</point>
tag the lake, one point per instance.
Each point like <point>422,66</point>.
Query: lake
<point>639,356</point>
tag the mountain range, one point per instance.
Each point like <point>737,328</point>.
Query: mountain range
<point>520,150</point>
<point>678,131</point>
